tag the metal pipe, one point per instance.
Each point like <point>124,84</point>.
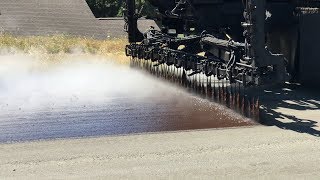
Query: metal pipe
<point>131,19</point>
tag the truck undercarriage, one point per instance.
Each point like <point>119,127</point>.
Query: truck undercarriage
<point>229,51</point>
<point>251,42</point>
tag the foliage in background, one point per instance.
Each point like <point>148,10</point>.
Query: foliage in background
<point>114,8</point>
<point>105,8</point>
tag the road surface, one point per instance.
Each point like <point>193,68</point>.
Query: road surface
<point>241,153</point>
<point>86,97</point>
<point>89,120</point>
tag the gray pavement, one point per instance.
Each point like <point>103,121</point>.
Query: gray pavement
<point>114,27</point>
<point>291,107</point>
<point>242,153</point>
<point>70,17</point>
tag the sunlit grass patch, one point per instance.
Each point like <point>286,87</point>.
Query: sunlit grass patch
<point>59,45</point>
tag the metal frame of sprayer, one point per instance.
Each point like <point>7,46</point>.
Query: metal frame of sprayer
<point>249,63</point>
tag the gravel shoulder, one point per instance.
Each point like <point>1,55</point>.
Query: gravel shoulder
<point>263,152</point>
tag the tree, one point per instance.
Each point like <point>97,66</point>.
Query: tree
<point>105,8</point>
<point>114,8</point>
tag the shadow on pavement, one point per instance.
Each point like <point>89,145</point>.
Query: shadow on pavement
<point>282,107</point>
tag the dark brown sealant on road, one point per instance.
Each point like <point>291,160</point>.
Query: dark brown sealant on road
<point>214,88</point>
<point>187,112</point>
<point>85,99</point>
